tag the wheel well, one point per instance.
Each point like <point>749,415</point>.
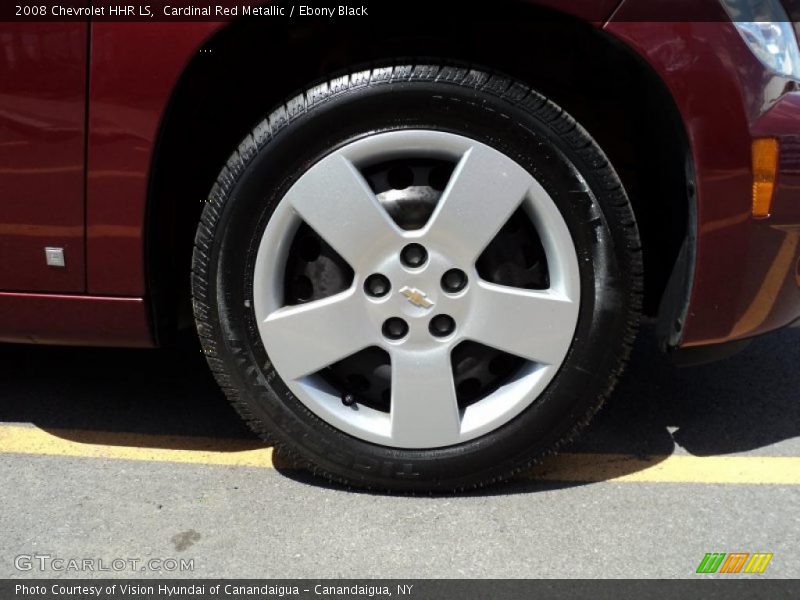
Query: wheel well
<point>249,68</point>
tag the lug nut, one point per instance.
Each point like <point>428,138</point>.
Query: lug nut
<point>442,325</point>
<point>395,328</point>
<point>454,281</point>
<point>377,285</point>
<point>414,255</point>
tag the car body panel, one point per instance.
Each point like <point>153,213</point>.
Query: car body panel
<point>42,126</point>
<point>744,281</point>
<point>129,95</point>
<point>74,320</point>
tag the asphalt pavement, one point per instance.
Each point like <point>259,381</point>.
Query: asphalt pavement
<point>135,455</point>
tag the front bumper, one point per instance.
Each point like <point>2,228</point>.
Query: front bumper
<point>772,271</point>
<point>753,265</point>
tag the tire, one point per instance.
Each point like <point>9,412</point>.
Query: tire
<point>452,105</point>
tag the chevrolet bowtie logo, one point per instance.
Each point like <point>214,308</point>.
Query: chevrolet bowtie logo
<point>417,297</point>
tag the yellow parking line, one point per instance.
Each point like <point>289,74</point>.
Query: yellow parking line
<point>20,439</point>
<point>569,467</point>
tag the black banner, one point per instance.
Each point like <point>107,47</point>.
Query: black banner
<point>407,10</point>
<point>456,589</point>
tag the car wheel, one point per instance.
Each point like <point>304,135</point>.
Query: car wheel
<point>417,278</point>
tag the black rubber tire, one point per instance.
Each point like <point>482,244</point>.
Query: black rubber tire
<point>490,108</point>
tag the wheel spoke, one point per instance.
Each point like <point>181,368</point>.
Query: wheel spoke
<point>336,202</point>
<point>537,325</point>
<point>424,408</point>
<point>306,338</point>
<point>484,191</point>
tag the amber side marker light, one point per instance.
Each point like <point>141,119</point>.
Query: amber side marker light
<point>765,168</point>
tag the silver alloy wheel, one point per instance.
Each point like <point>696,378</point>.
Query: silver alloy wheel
<point>485,189</point>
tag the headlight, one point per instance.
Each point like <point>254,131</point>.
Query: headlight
<point>765,27</point>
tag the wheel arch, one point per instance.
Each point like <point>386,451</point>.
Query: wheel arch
<point>244,69</point>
